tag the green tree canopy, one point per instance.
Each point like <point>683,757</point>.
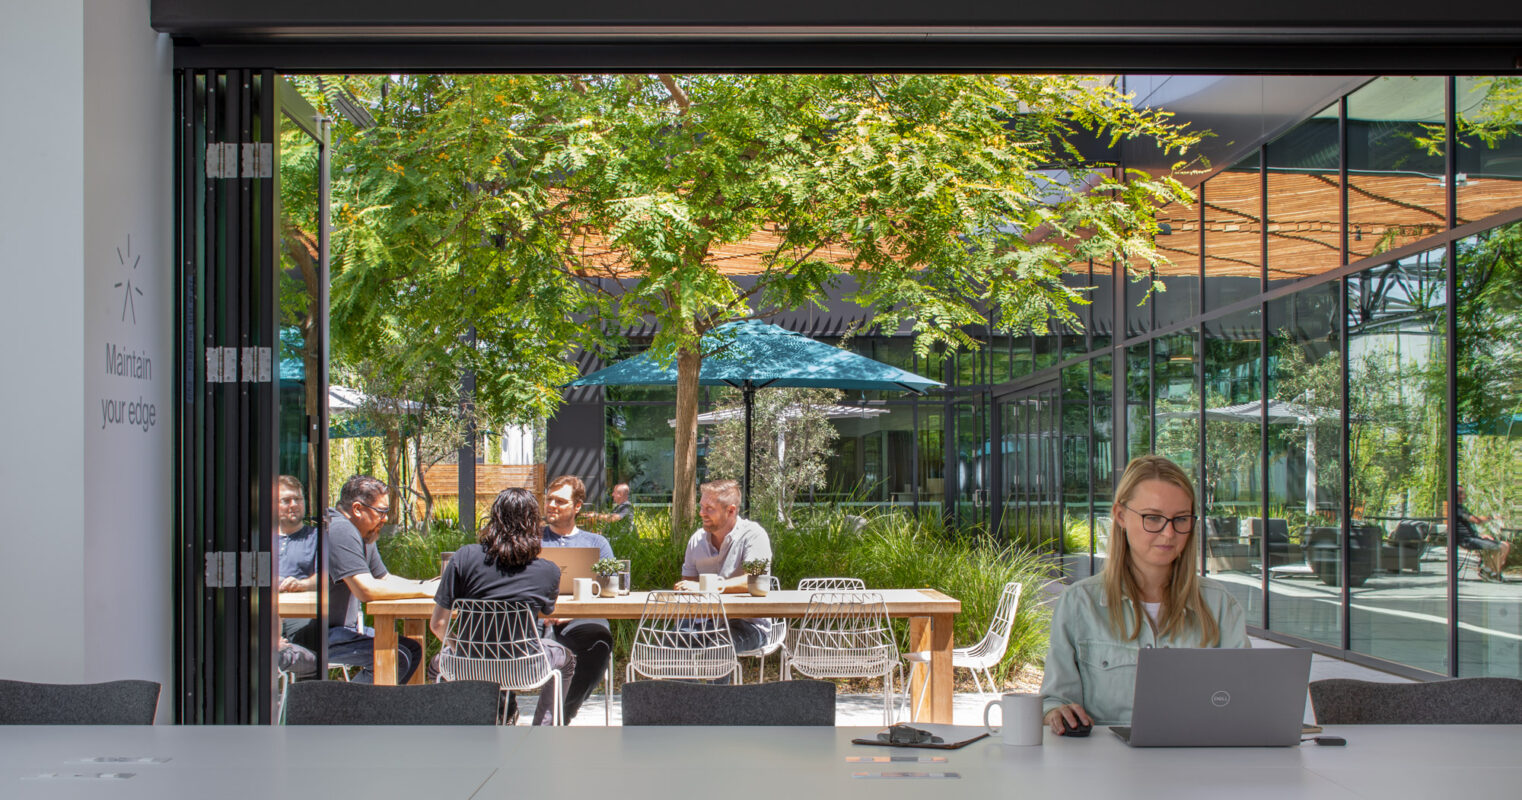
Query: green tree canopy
<point>545,209</point>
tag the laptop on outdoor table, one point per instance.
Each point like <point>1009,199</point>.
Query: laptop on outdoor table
<point>1218,697</point>
<point>574,562</point>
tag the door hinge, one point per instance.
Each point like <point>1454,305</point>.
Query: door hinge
<point>256,364</point>
<point>258,160</point>
<point>229,570</point>
<point>240,160</point>
<point>221,365</point>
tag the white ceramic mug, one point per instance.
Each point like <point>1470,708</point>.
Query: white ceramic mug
<point>708,582</point>
<point>1020,718</point>
<point>585,589</point>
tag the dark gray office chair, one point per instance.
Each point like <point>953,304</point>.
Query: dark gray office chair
<point>1460,701</point>
<point>680,703</point>
<point>340,703</point>
<point>110,703</point>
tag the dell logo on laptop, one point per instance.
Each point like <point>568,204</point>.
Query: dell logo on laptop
<point>1220,699</point>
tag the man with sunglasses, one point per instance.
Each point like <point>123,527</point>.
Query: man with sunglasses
<point>359,576</point>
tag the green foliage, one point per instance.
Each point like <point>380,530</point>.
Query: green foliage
<point>516,203</point>
<point>605,566</point>
<point>413,554</point>
<point>893,550</point>
<point>756,566</point>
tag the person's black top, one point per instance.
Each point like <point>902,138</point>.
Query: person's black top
<point>470,577</point>
<point>1465,526</point>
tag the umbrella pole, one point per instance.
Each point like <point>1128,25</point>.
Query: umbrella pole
<point>748,389</point>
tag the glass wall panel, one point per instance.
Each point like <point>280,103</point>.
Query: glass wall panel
<point>1021,357</point>
<point>1489,156</point>
<point>973,453</point>
<point>1138,400</point>
<point>1231,495</point>
<point>1077,419</point>
<point>931,436</point>
<point>1305,200</point>
<point>1178,238</point>
<point>1103,466</point>
<point>1233,204</point>
<point>1032,469</point>
<point>1397,395</point>
<point>1397,191</point>
<point>1176,398</point>
<point>1305,469</point>
<point>1489,361</point>
<point>640,445</point>
<point>1075,340</point>
<point>874,458</point>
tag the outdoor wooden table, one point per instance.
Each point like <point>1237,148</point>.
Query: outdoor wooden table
<point>931,615</point>
<point>413,615</point>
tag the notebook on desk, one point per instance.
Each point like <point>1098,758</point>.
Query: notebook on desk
<point>1218,697</point>
<point>574,562</point>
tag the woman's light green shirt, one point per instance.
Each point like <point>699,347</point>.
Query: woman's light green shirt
<point>1089,664</point>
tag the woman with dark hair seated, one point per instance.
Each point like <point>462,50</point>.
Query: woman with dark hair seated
<point>505,565</point>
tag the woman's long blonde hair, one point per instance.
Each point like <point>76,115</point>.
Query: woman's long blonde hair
<point>1183,606</point>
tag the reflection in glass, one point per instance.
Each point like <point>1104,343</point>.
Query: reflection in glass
<point>972,468</point>
<point>1178,238</point>
<point>1233,207</point>
<point>1397,390</point>
<point>1305,468</point>
<point>1231,495</point>
<point>1138,400</point>
<point>1176,398</point>
<point>1489,111</point>
<point>1305,200</point>
<point>1077,413</point>
<point>1103,466</point>
<point>1397,192</point>
<point>1489,363</point>
<point>1032,514</point>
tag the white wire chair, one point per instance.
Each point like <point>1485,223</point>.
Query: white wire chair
<point>985,655</point>
<point>832,585</point>
<point>845,635</point>
<point>776,636</point>
<point>683,635</point>
<point>498,641</point>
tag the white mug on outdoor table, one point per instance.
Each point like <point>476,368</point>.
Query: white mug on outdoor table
<point>1020,718</point>
<point>708,582</point>
<point>585,589</point>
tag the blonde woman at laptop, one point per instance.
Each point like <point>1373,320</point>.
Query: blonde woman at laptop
<point>1148,595</point>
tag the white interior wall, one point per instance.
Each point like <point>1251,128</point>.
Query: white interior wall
<point>41,266</point>
<point>85,163</point>
<point>128,407</point>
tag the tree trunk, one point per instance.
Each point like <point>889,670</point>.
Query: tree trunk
<point>685,467</point>
<point>393,471</point>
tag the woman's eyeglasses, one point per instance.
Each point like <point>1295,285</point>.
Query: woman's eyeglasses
<point>1154,523</point>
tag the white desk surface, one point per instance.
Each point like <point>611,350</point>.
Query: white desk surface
<point>790,763</point>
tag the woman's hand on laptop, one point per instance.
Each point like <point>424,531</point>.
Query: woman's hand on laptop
<point>1070,715</point>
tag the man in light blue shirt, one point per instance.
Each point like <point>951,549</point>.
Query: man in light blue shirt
<point>590,639</point>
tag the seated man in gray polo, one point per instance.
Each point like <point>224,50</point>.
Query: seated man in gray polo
<point>722,546</point>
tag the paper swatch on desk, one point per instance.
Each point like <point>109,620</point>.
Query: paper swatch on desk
<point>893,759</point>
<point>121,760</point>
<point>906,775</point>
<point>81,776</point>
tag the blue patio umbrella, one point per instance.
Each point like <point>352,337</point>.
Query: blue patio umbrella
<point>750,355</point>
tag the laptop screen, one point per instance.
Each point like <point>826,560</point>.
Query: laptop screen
<point>1219,697</point>
<point>574,562</point>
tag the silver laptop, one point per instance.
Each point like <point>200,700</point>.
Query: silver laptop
<point>574,562</point>
<point>1218,697</point>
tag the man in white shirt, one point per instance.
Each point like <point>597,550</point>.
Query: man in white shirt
<point>722,546</point>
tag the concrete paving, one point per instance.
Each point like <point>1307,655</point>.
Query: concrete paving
<point>967,707</point>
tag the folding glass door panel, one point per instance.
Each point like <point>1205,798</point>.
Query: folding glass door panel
<point>227,414</point>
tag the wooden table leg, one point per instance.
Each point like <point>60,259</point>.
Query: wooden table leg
<point>414,629</point>
<point>941,685</point>
<point>384,665</point>
<point>919,642</point>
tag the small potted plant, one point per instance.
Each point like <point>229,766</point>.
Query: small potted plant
<point>757,581</point>
<point>606,570</point>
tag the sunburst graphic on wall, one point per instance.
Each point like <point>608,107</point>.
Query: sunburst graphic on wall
<point>128,290</point>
